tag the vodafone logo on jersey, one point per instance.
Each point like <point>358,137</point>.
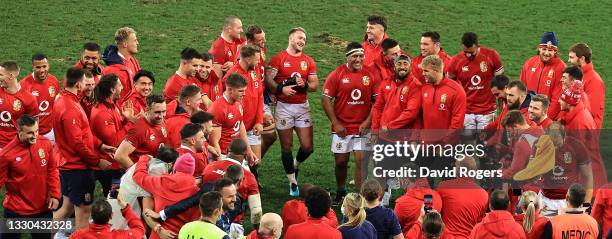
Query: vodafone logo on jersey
<point>356,96</point>
<point>43,106</point>
<point>5,116</point>
<point>476,80</point>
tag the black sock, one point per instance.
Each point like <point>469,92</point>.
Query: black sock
<point>287,158</point>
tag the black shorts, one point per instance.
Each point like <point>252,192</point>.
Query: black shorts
<point>78,185</point>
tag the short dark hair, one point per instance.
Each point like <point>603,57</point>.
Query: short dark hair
<point>371,189</point>
<point>318,202</point>
<point>238,147</point>
<point>146,73</point>
<point>190,130</point>
<point>434,36</point>
<point>304,189</point>
<point>582,49</point>
<point>167,154</point>
<point>380,20</point>
<point>234,172</point>
<point>101,211</point>
<point>252,31</point>
<point>432,223</point>
<point>499,200</point>
<point>188,91</point>
<point>26,120</point>
<point>10,66</point>
<point>500,82</point>
<point>190,53</point>
<point>575,195</point>
<point>222,183</point>
<point>388,44</point>
<point>206,56</point>
<point>154,99</point>
<point>88,74</point>
<point>102,90</point>
<point>73,76</point>
<point>542,99</point>
<point>91,46</point>
<point>520,85</point>
<point>574,71</point>
<point>235,80</point>
<point>201,117</point>
<point>38,57</point>
<point>249,51</point>
<point>209,202</point>
<point>514,117</point>
<point>469,39</point>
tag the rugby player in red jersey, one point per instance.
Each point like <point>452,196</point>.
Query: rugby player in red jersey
<point>290,75</point>
<point>121,59</point>
<point>580,55</point>
<point>256,36</point>
<point>77,146</point>
<point>208,81</point>
<point>225,48</point>
<point>252,103</point>
<point>147,137</point>
<point>228,117</point>
<point>430,45</point>
<point>384,63</point>
<point>474,68</point>
<point>185,75</point>
<point>143,88</point>
<point>90,59</point>
<point>28,167</point>
<point>376,33</point>
<point>193,141</point>
<point>537,110</point>
<point>87,95</point>
<point>45,87</point>
<point>189,100</point>
<point>542,73</point>
<point>14,101</point>
<point>347,100</point>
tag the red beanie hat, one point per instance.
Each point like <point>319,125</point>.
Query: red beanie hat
<point>572,94</point>
<point>185,164</point>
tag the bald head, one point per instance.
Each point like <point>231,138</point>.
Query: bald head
<point>271,224</point>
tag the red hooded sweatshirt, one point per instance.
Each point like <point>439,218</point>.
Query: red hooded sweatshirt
<point>408,207</point>
<point>108,125</point>
<point>543,77</point>
<point>397,106</point>
<point>370,50</point>
<point>602,208</point>
<point>31,176</point>
<point>498,224</point>
<point>96,231</point>
<point>444,107</point>
<point>167,190</point>
<point>294,212</point>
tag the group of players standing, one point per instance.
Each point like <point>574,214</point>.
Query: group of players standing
<point>107,117</point>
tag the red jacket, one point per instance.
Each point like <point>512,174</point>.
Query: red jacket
<point>465,204</point>
<point>312,229</point>
<point>45,93</point>
<point>73,135</point>
<point>371,51</point>
<point>595,88</point>
<point>398,105</point>
<point>602,208</point>
<point>524,149</point>
<point>408,207</point>
<point>138,101</point>
<point>96,231</point>
<point>444,107</point>
<point>580,124</point>
<point>108,125</point>
<point>416,232</point>
<point>417,72</point>
<point>498,224</point>
<point>31,176</point>
<point>174,124</point>
<point>496,129</point>
<point>294,212</point>
<point>167,190</point>
<point>544,77</point>
<point>125,75</point>
<point>538,225</point>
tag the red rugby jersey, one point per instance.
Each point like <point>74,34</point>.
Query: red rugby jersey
<point>287,66</point>
<point>228,117</point>
<point>252,102</point>
<point>45,93</point>
<point>146,138</point>
<point>13,106</point>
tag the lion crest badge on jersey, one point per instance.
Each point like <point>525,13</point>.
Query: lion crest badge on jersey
<point>483,66</point>
<point>164,132</point>
<point>365,80</point>
<point>443,102</point>
<point>51,91</point>
<point>240,108</point>
<point>41,153</point>
<point>304,65</point>
<point>550,73</point>
<point>17,105</point>
<point>404,90</point>
<point>216,89</point>
<point>567,158</point>
<point>253,75</point>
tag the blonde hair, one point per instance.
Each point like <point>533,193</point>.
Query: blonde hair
<point>355,210</point>
<point>122,34</point>
<point>529,203</point>
<point>433,60</point>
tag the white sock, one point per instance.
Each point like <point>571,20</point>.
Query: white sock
<point>291,178</point>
